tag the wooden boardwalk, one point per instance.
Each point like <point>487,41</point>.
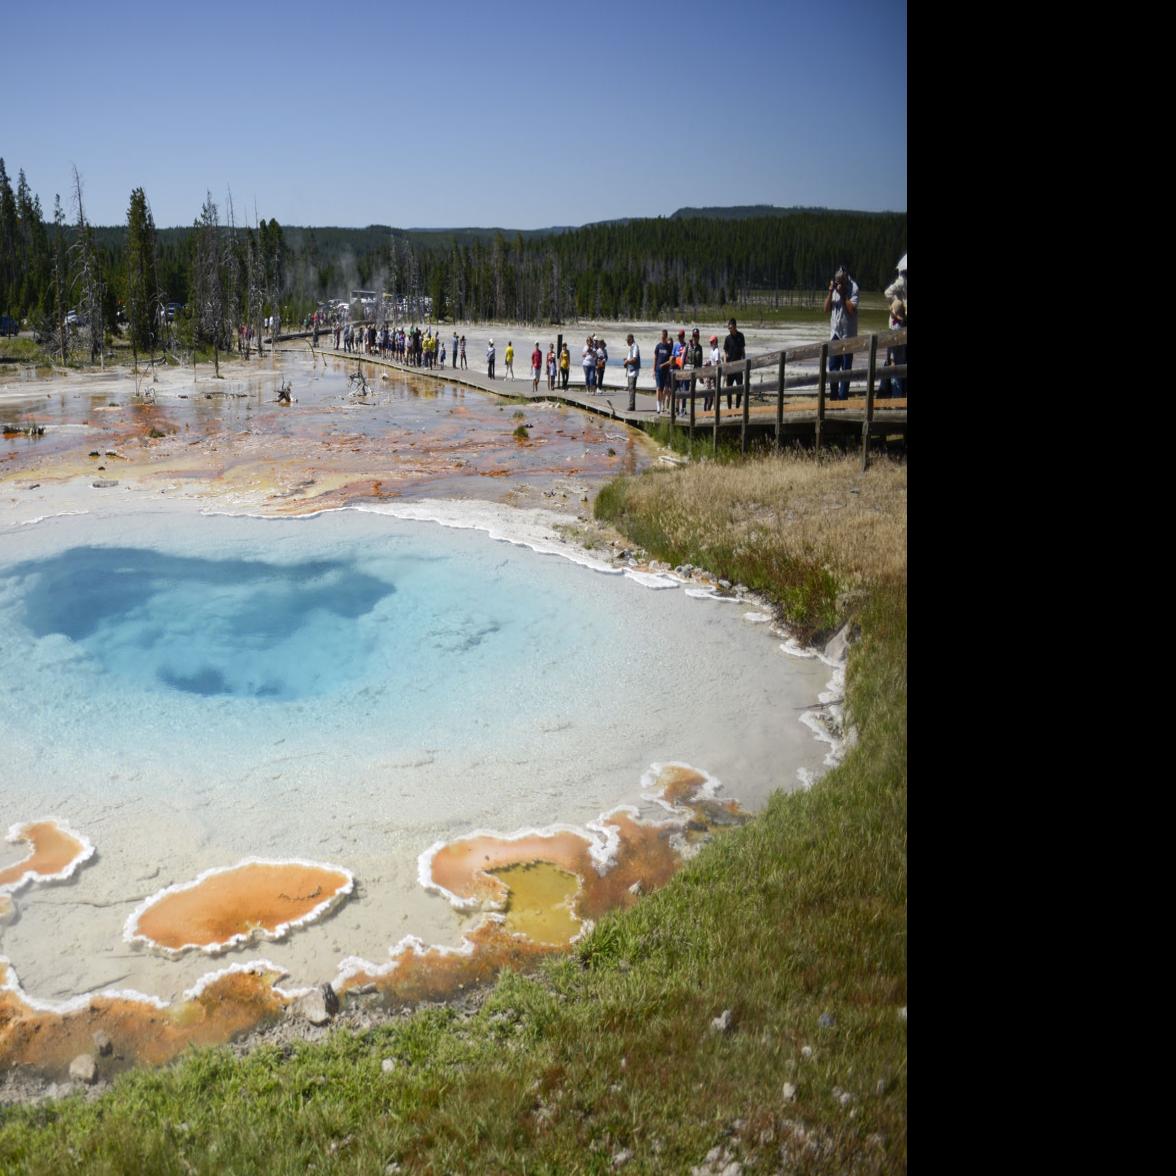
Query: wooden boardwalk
<point>788,392</point>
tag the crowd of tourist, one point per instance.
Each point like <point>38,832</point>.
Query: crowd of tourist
<point>674,360</point>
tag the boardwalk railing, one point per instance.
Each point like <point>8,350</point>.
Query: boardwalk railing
<point>786,385</point>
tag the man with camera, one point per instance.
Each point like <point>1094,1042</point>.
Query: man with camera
<point>841,304</point>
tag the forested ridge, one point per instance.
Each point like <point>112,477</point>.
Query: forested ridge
<point>228,272</point>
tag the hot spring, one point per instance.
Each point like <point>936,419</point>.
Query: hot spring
<point>188,691</point>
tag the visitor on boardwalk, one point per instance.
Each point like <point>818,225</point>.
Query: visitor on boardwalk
<point>693,360</point>
<point>509,359</point>
<point>453,352</point>
<point>734,348</point>
<point>716,358</point>
<point>463,358</point>
<point>895,385</point>
<point>536,366</point>
<point>490,360</point>
<point>679,362</point>
<point>552,367</point>
<point>601,363</point>
<point>588,361</point>
<point>841,304</point>
<point>632,369</point>
<point>565,367</point>
<point>663,357</point>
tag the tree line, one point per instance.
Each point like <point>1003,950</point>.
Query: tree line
<point>72,280</point>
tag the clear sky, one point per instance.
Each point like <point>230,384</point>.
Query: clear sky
<point>515,114</point>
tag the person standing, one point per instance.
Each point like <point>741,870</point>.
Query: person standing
<point>679,362</point>
<point>464,365</point>
<point>453,352</point>
<point>551,367</point>
<point>716,358</point>
<point>693,360</point>
<point>536,366</point>
<point>490,360</point>
<point>601,363</point>
<point>734,348</point>
<point>510,359</point>
<point>565,367</point>
<point>588,362</point>
<point>632,369</point>
<point>841,304</point>
<point>663,357</point>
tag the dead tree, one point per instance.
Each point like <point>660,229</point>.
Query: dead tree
<point>88,274</point>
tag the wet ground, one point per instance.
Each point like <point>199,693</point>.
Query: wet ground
<point>404,436</point>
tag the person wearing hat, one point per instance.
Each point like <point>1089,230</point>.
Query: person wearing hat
<point>734,348</point>
<point>536,366</point>
<point>490,360</point>
<point>841,304</point>
<point>632,369</point>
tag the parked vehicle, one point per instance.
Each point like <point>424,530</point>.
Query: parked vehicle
<point>8,325</point>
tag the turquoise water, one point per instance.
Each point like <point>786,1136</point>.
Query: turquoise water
<point>204,642</point>
<point>248,628</point>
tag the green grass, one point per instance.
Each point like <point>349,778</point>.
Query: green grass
<point>800,913</point>
<point>25,350</point>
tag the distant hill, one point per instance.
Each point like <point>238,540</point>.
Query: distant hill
<point>748,211</point>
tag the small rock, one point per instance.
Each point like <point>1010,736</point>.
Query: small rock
<point>637,889</point>
<point>622,1158</point>
<point>722,1023</point>
<point>806,1051</point>
<point>391,1169</point>
<point>725,585</point>
<point>103,483</point>
<point>388,1065</point>
<point>789,1092</point>
<point>844,1097</point>
<point>837,649</point>
<point>84,1069</point>
<point>102,1043</point>
<point>826,1020</point>
<point>320,1005</point>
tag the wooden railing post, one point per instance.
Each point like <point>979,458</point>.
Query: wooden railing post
<point>780,402</point>
<point>821,394</point>
<point>673,400</point>
<point>718,389</point>
<point>746,403</point>
<point>871,371</point>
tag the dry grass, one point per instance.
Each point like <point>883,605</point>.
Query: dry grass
<point>807,531</point>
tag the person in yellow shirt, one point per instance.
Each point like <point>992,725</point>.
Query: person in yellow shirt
<point>509,360</point>
<point>565,367</point>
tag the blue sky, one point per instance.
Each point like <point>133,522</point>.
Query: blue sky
<point>516,114</point>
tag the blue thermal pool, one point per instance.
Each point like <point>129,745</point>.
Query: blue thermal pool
<point>190,690</point>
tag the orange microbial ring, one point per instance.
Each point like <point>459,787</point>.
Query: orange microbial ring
<point>55,852</point>
<point>233,905</point>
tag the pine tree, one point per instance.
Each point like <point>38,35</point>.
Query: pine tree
<point>143,295</point>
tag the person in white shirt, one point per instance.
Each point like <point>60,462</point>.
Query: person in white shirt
<point>632,368</point>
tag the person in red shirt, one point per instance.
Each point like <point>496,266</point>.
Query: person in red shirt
<point>536,366</point>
